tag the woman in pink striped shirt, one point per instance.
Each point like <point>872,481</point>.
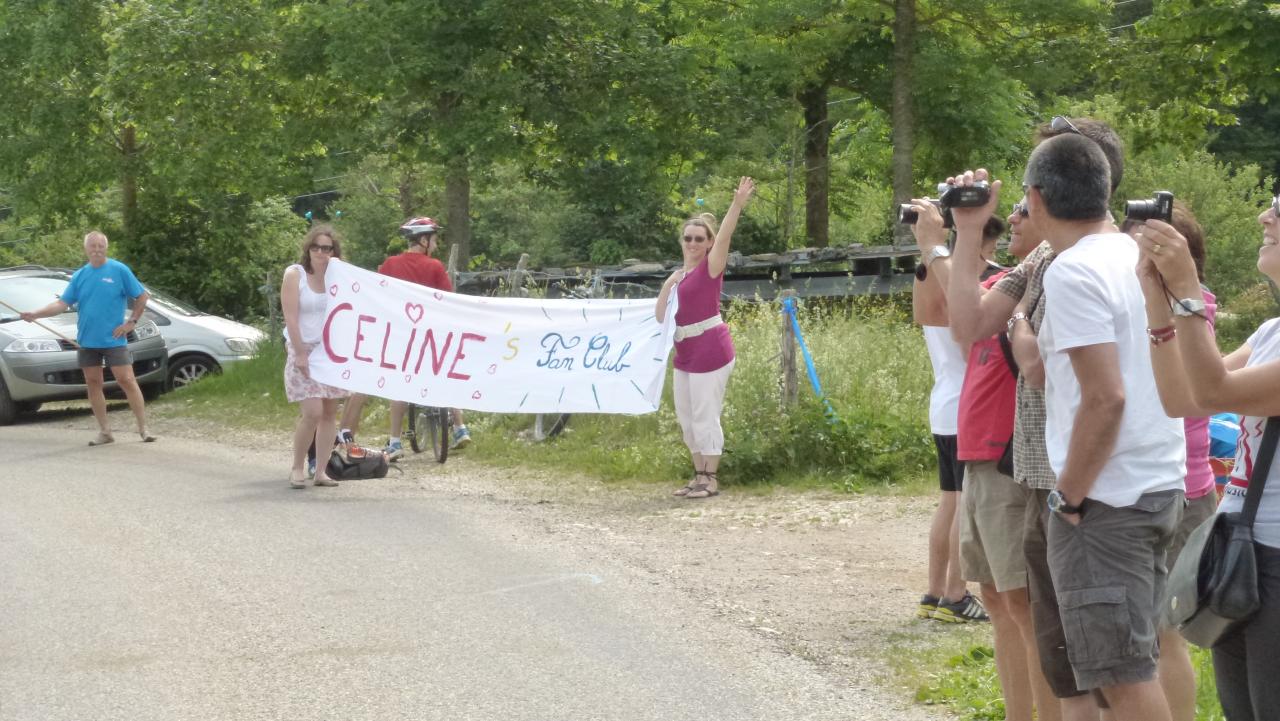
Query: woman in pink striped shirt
<point>704,349</point>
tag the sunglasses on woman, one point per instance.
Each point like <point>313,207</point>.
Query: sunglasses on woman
<point>322,248</point>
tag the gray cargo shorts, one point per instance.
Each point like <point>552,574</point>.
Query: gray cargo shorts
<point>96,357</point>
<point>1109,574</point>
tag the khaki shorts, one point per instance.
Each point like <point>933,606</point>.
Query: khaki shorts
<point>992,518</point>
<point>1109,575</point>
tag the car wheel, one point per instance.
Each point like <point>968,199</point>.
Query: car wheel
<point>8,409</point>
<point>152,391</point>
<point>188,369</point>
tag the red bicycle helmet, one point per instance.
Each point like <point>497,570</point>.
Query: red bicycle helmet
<point>419,226</point>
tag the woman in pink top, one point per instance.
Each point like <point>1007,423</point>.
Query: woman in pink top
<point>704,349</point>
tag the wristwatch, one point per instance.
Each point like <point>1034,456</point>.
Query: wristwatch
<point>1013,320</point>
<point>939,251</point>
<point>1188,307</point>
<point>1058,503</point>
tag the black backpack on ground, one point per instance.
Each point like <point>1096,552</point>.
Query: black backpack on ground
<point>357,463</point>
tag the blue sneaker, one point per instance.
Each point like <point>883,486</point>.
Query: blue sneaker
<point>394,450</point>
<point>461,438</point>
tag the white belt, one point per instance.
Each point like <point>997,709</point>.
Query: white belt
<point>693,330</point>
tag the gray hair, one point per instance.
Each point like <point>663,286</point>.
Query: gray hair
<point>1073,176</point>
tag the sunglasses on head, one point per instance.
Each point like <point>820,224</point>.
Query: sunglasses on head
<point>1061,124</point>
<point>322,248</point>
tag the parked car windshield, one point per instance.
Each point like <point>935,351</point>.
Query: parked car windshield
<point>173,305</point>
<point>29,293</point>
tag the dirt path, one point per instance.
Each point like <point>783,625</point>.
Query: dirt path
<point>827,578</point>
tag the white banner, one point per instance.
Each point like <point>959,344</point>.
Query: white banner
<point>391,338</point>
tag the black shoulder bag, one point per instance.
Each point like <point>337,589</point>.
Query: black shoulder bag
<point>1005,464</point>
<point>1213,586</point>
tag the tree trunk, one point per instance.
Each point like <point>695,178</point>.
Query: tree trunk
<point>902,113</point>
<point>457,207</point>
<point>408,205</point>
<point>128,181</point>
<point>817,174</point>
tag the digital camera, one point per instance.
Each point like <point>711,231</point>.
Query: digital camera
<point>1160,207</point>
<point>964,196</point>
<point>908,215</point>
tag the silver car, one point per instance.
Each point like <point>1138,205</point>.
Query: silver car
<point>37,366</point>
<point>199,343</point>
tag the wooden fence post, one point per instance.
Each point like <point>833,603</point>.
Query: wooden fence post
<point>452,267</point>
<point>790,388</point>
<point>515,279</point>
<point>273,304</point>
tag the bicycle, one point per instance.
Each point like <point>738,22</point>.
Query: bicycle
<point>437,429</point>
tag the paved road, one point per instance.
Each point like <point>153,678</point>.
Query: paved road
<point>184,580</point>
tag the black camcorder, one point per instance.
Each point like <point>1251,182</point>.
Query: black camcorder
<point>1160,207</point>
<point>949,196</point>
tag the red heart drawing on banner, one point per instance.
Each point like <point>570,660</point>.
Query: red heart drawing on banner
<point>438,296</point>
<point>413,311</point>
<point>423,394</point>
<point>493,369</point>
<point>333,290</point>
<point>346,374</point>
<point>382,382</point>
<point>355,287</point>
<point>408,377</point>
<point>476,395</point>
<point>383,283</point>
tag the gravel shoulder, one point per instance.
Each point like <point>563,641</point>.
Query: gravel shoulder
<point>826,578</point>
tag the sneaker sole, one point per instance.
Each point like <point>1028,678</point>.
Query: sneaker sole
<point>460,444</point>
<point>926,612</point>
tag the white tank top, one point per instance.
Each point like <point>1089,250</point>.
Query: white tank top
<point>948,376</point>
<point>311,308</point>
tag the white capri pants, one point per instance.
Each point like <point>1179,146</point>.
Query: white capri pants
<point>699,400</point>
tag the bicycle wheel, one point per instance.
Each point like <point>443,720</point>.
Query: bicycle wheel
<point>417,426</point>
<point>437,423</point>
<point>549,425</point>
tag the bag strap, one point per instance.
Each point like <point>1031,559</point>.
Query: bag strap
<point>1261,469</point>
<point>1007,348</point>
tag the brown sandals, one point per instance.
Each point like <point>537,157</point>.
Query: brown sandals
<point>703,489</point>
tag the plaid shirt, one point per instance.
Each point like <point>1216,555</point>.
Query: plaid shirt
<point>1030,458</point>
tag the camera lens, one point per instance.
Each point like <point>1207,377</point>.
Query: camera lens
<point>1141,210</point>
<point>907,214</point>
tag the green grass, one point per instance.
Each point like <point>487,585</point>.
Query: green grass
<point>954,666</point>
<point>870,359</point>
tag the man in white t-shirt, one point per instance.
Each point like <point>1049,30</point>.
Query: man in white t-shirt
<point>1119,460</point>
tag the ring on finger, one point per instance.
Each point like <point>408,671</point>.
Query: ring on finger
<point>1156,248</point>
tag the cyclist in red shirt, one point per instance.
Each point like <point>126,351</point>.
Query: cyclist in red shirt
<point>415,265</point>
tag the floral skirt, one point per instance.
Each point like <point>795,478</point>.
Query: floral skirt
<point>298,387</point>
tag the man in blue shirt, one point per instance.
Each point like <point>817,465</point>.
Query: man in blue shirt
<point>101,288</point>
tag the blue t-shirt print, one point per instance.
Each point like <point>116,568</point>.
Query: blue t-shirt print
<point>101,294</point>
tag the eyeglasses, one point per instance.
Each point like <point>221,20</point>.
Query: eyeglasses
<point>693,239</point>
<point>322,248</point>
<point>1275,207</point>
<point>1060,124</point>
<point>1020,208</point>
